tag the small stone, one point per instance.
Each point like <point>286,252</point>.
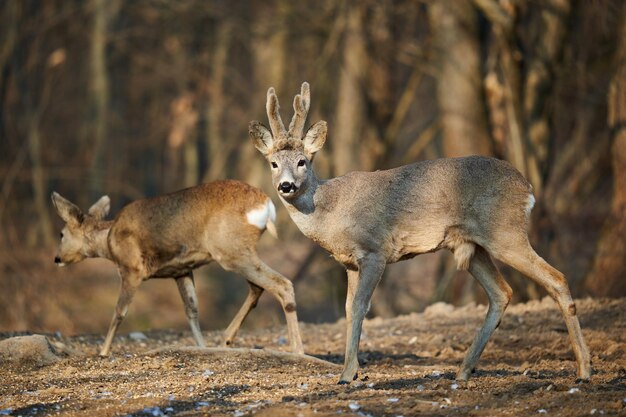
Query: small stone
<point>282,341</point>
<point>542,411</point>
<point>573,390</point>
<point>413,340</point>
<point>137,336</point>
<point>28,351</point>
<point>354,406</point>
<point>393,400</point>
<point>454,386</point>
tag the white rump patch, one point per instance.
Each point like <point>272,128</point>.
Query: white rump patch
<point>260,216</point>
<point>463,255</point>
<point>529,205</point>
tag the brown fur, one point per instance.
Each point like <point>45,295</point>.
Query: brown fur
<point>169,236</point>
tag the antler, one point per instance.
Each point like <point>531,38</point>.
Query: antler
<point>273,114</point>
<point>301,104</point>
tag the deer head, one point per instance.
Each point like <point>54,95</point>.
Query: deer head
<point>291,152</point>
<point>77,236</point>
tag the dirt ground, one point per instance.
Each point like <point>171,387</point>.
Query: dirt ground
<point>408,368</point>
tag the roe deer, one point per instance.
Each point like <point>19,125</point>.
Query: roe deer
<point>477,207</point>
<point>170,235</point>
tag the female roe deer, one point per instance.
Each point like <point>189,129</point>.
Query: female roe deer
<point>170,235</point>
<point>477,207</point>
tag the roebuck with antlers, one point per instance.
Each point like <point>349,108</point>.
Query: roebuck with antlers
<point>477,207</point>
<point>170,235</point>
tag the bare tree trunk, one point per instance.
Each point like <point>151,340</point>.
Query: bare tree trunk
<point>459,89</point>
<point>38,180</point>
<point>217,147</point>
<point>608,277</point>
<point>551,31</point>
<point>99,89</point>
<point>35,100</point>
<point>350,114</point>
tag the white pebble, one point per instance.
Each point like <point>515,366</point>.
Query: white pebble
<point>393,400</point>
<point>354,406</point>
<point>593,411</point>
<point>542,411</point>
<point>207,373</point>
<point>454,386</point>
<point>573,390</point>
<point>137,336</point>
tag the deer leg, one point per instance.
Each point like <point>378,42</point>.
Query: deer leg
<point>261,275</point>
<point>368,276</point>
<point>250,302</point>
<point>187,290</point>
<point>499,293</point>
<point>129,286</point>
<point>525,260</point>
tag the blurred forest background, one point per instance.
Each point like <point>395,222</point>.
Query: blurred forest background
<point>139,98</point>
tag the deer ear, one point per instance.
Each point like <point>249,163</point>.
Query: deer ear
<point>100,208</point>
<point>261,137</point>
<point>67,210</point>
<point>315,138</point>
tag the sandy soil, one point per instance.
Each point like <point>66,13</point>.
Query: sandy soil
<point>408,368</point>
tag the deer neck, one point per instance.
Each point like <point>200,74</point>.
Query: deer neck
<point>305,211</point>
<point>99,246</point>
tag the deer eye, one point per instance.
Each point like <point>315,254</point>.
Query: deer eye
<point>301,163</point>
<point>61,234</point>
<point>274,165</point>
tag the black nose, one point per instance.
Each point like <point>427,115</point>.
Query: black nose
<point>286,186</point>
<point>57,260</point>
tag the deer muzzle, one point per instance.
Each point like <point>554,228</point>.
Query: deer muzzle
<point>287,187</point>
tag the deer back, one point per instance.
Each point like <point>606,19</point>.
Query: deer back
<point>416,208</point>
<point>169,235</point>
